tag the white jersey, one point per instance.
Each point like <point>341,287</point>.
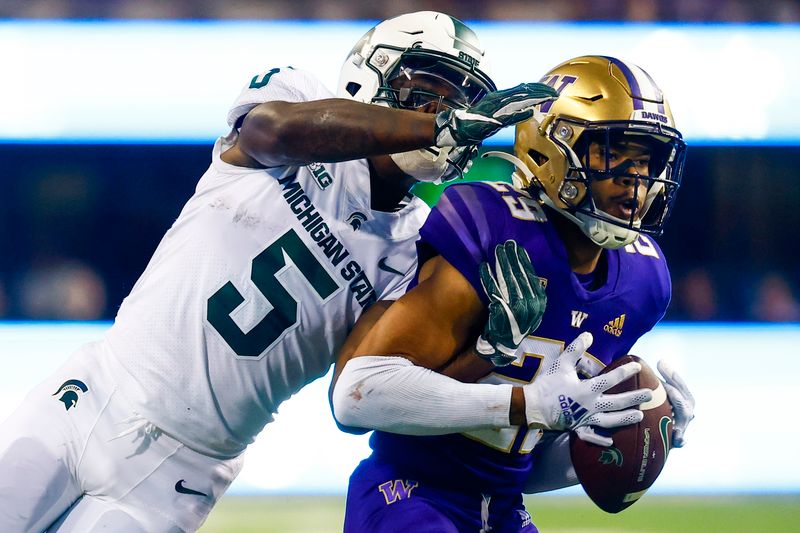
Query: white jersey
<point>255,287</point>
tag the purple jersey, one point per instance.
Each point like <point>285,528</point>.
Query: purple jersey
<point>464,228</point>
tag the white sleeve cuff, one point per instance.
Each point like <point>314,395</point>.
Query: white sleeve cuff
<point>390,393</point>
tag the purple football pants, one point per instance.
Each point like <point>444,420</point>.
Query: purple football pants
<point>380,498</point>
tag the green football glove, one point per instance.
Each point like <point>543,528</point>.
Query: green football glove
<point>496,110</point>
<point>516,303</point>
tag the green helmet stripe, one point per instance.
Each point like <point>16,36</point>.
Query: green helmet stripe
<point>465,38</point>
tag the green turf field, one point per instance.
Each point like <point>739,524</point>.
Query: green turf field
<point>653,514</point>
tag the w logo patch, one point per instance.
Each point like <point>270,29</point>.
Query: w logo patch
<point>70,392</point>
<point>577,318</point>
<point>396,490</point>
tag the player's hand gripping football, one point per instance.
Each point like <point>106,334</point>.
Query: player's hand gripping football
<point>516,303</point>
<point>558,399</point>
<point>681,399</point>
<point>496,110</point>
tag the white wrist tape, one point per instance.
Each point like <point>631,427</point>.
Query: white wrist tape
<point>392,394</point>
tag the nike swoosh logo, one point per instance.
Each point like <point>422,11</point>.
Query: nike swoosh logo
<point>386,268</point>
<point>666,434</point>
<point>179,487</point>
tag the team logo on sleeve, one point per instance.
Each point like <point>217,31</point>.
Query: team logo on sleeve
<point>397,489</point>
<point>70,392</point>
<point>356,219</point>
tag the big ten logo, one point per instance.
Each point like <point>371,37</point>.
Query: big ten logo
<point>321,176</point>
<point>559,82</point>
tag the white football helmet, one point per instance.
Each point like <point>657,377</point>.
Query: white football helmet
<point>425,45</point>
<point>605,101</point>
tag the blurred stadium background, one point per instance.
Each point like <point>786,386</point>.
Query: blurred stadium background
<point>107,115</point>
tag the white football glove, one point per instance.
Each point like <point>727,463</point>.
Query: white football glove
<point>681,399</point>
<point>496,110</point>
<point>516,303</point>
<point>557,399</point>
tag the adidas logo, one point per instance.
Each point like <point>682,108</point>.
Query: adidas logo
<point>570,409</point>
<point>615,326</point>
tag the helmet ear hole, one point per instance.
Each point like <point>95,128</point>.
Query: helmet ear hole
<point>352,88</point>
<point>538,157</point>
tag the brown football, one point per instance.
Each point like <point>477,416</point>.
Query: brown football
<point>616,477</point>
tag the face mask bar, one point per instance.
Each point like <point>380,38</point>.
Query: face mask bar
<point>418,99</point>
<point>464,80</point>
<point>667,152</point>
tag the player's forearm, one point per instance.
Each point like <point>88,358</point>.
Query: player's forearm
<point>467,367</point>
<point>281,133</point>
<point>392,394</point>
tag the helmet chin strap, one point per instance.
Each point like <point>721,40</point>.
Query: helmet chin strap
<point>605,234</point>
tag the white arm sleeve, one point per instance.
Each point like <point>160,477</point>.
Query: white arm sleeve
<point>552,467</point>
<point>392,394</point>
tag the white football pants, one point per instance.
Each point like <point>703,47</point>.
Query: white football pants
<point>74,457</point>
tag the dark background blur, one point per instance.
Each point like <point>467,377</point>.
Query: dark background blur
<point>79,222</point>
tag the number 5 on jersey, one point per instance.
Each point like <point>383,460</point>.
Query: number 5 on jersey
<point>283,315</point>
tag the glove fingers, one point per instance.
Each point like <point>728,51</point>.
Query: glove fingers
<point>587,366</point>
<point>666,371</point>
<point>587,434</point>
<point>523,288</point>
<point>604,382</point>
<point>576,348</point>
<point>678,440</point>
<point>528,273</point>
<point>683,411</point>
<point>615,419</point>
<point>525,262</point>
<point>501,271</point>
<point>519,116</point>
<point>672,377</point>
<point>679,384</point>
<point>488,282</point>
<point>537,299</point>
<point>541,90</point>
<point>514,110</point>
<point>623,400</point>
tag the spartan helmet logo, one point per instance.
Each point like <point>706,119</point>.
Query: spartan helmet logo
<point>70,392</point>
<point>356,219</point>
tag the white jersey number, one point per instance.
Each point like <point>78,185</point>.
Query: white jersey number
<point>284,312</point>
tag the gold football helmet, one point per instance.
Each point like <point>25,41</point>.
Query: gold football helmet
<point>606,101</point>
